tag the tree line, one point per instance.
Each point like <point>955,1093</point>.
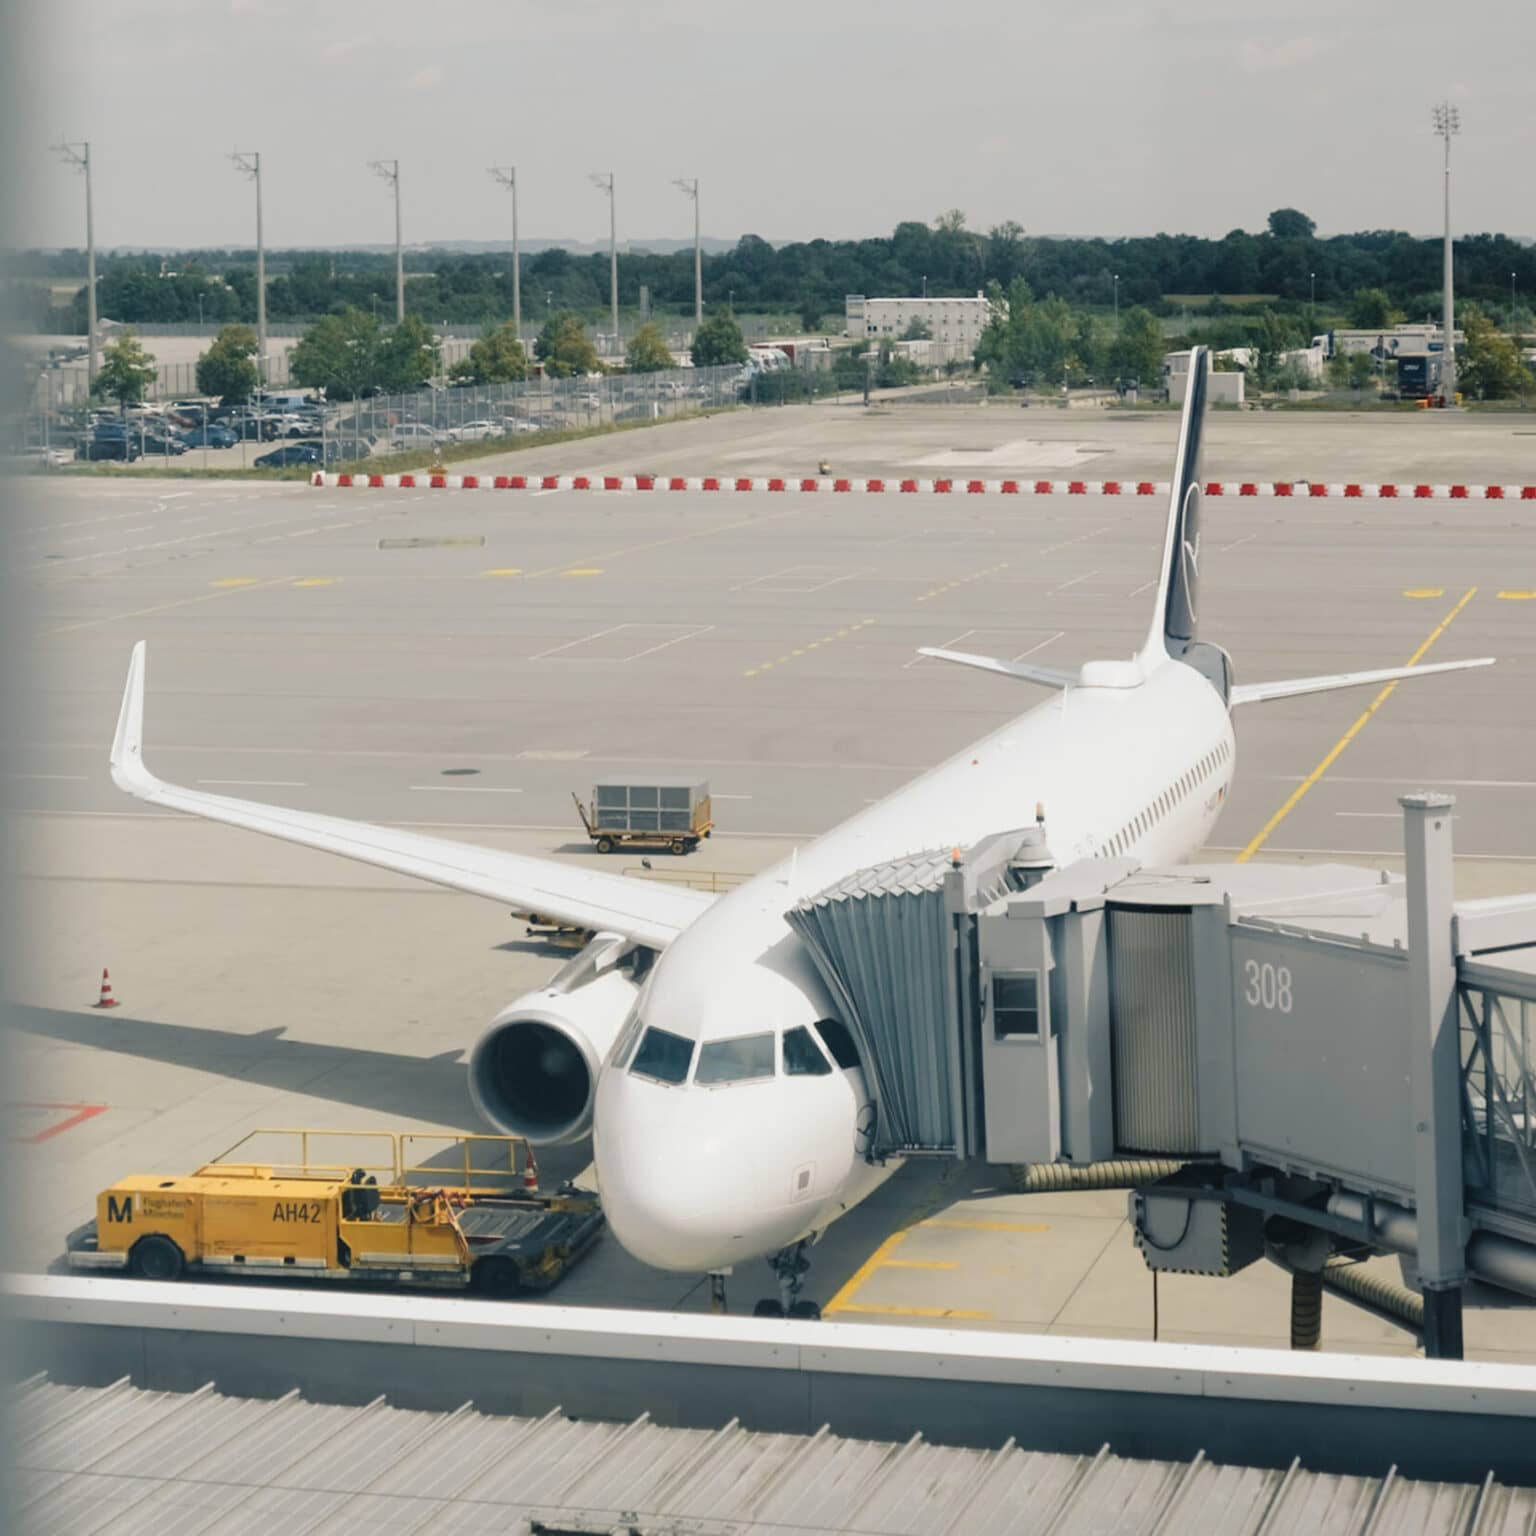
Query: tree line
<point>1286,262</point>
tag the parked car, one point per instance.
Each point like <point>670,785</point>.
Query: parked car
<point>41,458</point>
<point>214,435</point>
<point>475,431</point>
<point>109,445</point>
<point>290,454</point>
<point>414,434</point>
<point>165,444</point>
<point>254,429</point>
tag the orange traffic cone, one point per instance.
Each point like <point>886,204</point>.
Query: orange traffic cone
<point>106,1000</point>
<point>530,1174</point>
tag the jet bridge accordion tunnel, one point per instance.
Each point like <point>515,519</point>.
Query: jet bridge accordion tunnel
<point>1340,1061</point>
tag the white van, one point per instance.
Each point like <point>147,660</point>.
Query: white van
<point>275,401</point>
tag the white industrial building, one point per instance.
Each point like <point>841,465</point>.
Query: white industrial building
<point>956,323</point>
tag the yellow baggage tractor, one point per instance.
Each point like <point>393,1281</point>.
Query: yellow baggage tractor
<point>365,1207</point>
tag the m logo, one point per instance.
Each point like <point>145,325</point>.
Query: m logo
<point>116,1212</point>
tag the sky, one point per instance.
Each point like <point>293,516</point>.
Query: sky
<point>801,118</point>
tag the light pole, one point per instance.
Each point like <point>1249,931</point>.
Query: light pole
<point>1312,290</point>
<point>925,285</point>
<point>604,183</point>
<point>79,155</point>
<point>250,165</point>
<point>1116,278</point>
<point>507,176</point>
<point>691,188</point>
<point>390,171</point>
<point>1447,120</point>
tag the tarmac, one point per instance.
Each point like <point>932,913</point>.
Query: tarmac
<point>464,661</point>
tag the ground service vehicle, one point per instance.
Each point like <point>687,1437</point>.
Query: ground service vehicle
<point>470,1216</point>
<point>663,813</point>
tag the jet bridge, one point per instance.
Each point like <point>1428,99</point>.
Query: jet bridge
<point>1339,1059</point>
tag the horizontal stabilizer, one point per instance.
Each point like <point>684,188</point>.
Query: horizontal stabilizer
<point>1047,677</point>
<point>1263,693</point>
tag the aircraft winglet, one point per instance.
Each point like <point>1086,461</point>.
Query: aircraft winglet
<point>128,770</point>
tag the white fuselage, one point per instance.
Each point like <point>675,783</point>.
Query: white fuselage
<point>699,1177</point>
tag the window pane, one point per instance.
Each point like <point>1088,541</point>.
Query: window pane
<point>734,1061</point>
<point>642,797</point>
<point>839,1041</point>
<point>610,794</point>
<point>642,821</point>
<point>802,1056</point>
<point>674,798</point>
<point>1015,1005</point>
<point>663,1056</point>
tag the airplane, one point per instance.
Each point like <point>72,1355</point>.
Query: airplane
<point>693,1037</point>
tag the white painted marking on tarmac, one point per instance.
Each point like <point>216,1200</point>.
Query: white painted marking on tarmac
<point>554,650</point>
<point>1144,586</point>
<point>553,492</point>
<point>256,783</point>
<point>717,796</point>
<point>465,789</point>
<point>176,495</point>
<point>65,778</point>
<point>675,640</point>
<point>1059,635</point>
<point>1236,544</point>
<point>1063,587</point>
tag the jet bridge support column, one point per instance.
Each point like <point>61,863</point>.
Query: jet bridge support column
<point>1435,1070</point>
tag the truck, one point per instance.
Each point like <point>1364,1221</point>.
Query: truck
<point>660,813</point>
<point>373,1208</point>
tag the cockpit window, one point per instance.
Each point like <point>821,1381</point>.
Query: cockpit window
<point>734,1061</point>
<point>835,1033</point>
<point>663,1056</point>
<point>802,1056</point>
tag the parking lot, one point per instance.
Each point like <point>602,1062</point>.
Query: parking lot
<point>465,661</point>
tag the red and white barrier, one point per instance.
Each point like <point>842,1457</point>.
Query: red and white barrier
<point>898,486</point>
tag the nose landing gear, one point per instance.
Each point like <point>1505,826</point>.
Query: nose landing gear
<point>789,1266</point>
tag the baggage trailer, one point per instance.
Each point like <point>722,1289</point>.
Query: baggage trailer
<point>354,1207</point>
<point>660,813</point>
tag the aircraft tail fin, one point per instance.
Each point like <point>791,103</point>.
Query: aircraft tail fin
<point>1176,618</point>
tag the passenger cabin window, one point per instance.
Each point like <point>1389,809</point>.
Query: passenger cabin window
<point>837,1039</point>
<point>802,1056</point>
<point>735,1061</point>
<point>1015,1005</point>
<point>663,1055</point>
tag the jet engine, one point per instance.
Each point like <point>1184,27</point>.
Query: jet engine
<point>533,1072</point>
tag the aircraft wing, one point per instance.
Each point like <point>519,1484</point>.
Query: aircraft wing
<point>649,913</point>
<point>1262,693</point>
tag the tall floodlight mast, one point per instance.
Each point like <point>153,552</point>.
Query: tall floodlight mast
<point>79,155</point>
<point>249,164</point>
<point>507,176</point>
<point>1448,125</point>
<point>390,171</point>
<point>603,181</point>
<point>690,186</point>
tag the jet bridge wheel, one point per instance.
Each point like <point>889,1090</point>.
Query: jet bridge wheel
<point>768,1307</point>
<point>806,1311</point>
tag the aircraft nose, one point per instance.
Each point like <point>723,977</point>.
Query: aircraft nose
<point>680,1191</point>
